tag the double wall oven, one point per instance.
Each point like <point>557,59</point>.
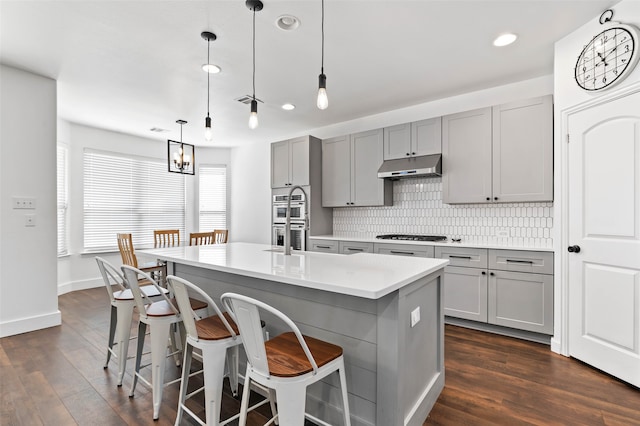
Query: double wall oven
<point>297,215</point>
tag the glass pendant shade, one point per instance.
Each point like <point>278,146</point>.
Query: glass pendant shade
<point>253,117</point>
<point>323,100</point>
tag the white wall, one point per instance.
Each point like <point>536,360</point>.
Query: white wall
<point>28,269</point>
<point>78,270</point>
<point>251,193</point>
<point>568,95</point>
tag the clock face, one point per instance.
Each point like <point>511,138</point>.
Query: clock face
<point>608,58</point>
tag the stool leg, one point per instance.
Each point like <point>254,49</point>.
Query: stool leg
<point>159,333</point>
<point>232,360</point>
<point>291,404</point>
<point>123,331</point>
<point>345,395</point>
<point>245,398</point>
<point>184,381</point>
<point>142,330</point>
<point>213,359</point>
<point>272,403</point>
<point>112,333</point>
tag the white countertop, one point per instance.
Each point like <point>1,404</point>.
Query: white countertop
<point>367,275</point>
<point>447,243</point>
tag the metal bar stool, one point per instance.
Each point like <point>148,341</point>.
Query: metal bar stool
<point>286,364</point>
<point>159,316</point>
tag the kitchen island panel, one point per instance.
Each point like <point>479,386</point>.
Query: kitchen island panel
<point>375,336</point>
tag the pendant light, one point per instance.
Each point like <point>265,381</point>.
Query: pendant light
<point>255,6</point>
<point>208,132</point>
<point>181,156</point>
<point>323,101</point>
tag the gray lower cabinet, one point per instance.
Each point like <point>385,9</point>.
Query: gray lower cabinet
<point>404,250</point>
<point>327,246</point>
<point>465,293</point>
<point>511,288</point>
<point>521,300</point>
<point>353,247</point>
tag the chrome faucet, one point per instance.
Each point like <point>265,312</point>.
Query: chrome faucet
<point>287,226</point>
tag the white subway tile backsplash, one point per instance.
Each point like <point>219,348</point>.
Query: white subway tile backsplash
<point>418,209</point>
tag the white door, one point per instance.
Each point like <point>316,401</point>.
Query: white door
<point>604,222</point>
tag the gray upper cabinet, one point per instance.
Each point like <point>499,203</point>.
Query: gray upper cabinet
<point>499,154</point>
<point>413,139</point>
<point>466,157</point>
<point>523,151</point>
<point>290,162</point>
<point>350,171</point>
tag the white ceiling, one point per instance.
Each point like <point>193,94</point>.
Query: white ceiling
<point>133,65</point>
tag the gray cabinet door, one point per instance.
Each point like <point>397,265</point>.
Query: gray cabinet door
<point>279,164</point>
<point>466,157</point>
<point>523,151</point>
<point>336,172</point>
<point>299,161</point>
<point>397,141</point>
<point>426,137</point>
<point>366,157</point>
<point>465,293</point>
<point>520,300</point>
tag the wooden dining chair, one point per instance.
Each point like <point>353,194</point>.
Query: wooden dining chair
<point>220,236</point>
<point>166,238</point>
<point>200,238</point>
<point>128,254</point>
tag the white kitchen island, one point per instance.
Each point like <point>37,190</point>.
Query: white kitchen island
<point>362,302</point>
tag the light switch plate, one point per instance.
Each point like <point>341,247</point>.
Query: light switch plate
<point>23,202</point>
<point>30,220</point>
<point>415,316</point>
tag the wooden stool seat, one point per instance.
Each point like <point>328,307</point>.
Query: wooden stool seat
<point>162,308</point>
<point>212,328</point>
<point>287,358</point>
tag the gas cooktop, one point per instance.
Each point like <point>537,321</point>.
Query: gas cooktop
<point>412,237</point>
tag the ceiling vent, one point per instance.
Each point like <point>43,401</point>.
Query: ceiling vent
<point>246,99</point>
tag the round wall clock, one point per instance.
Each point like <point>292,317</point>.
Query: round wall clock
<point>609,57</point>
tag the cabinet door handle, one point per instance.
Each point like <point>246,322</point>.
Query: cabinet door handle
<point>484,272</point>
<point>520,261</point>
<point>323,247</point>
<point>413,153</point>
<point>491,273</point>
<point>451,256</point>
<point>488,198</point>
<point>354,249</point>
<point>409,253</point>
<point>495,198</point>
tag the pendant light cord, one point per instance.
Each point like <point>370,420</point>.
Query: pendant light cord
<point>254,53</point>
<point>322,63</point>
<point>208,74</point>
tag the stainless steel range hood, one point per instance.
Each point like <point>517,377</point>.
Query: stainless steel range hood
<point>422,166</point>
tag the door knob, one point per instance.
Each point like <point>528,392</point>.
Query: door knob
<point>574,249</point>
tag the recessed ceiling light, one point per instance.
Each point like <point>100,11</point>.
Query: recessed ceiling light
<point>211,68</point>
<point>504,39</point>
<point>158,130</point>
<point>287,22</point>
<point>288,107</point>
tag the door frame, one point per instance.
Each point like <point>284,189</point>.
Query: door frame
<point>560,339</point>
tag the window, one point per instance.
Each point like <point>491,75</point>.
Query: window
<point>125,194</point>
<point>62,200</point>
<point>213,197</point>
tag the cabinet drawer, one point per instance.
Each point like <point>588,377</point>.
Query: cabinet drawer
<point>327,246</point>
<point>353,247</point>
<point>463,256</point>
<point>404,250</point>
<point>538,262</point>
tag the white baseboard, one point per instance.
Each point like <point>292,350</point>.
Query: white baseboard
<point>556,346</point>
<point>79,285</point>
<point>25,325</point>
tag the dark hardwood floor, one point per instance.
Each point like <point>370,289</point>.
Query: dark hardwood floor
<point>55,377</point>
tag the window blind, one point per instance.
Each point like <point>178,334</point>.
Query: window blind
<point>62,199</point>
<point>124,194</point>
<point>212,197</point>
